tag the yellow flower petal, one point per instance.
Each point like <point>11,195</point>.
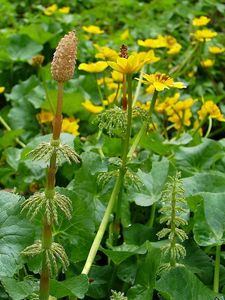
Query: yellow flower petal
<point>97,67</point>
<point>201,21</point>
<point>91,107</point>
<point>64,10</point>
<point>2,89</point>
<point>92,29</point>
<point>159,86</point>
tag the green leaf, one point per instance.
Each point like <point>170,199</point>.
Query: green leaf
<point>37,32</point>
<point>19,290</point>
<point>139,292</point>
<point>23,117</point>
<point>22,48</point>
<point>74,286</point>
<point>200,157</point>
<point>209,227</point>
<point>100,277</point>
<point>15,235</point>
<point>126,271</point>
<point>132,234</point>
<point>153,183</point>
<point>120,253</point>
<point>211,181</point>
<point>180,283</point>
<point>71,102</point>
<point>155,143</point>
<point>8,139</point>
<point>198,262</point>
<point>79,231</point>
<point>29,90</point>
<point>146,279</point>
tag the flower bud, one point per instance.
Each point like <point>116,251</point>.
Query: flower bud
<point>63,64</point>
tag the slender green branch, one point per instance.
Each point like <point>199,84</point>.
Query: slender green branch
<point>99,90</point>
<point>41,74</point>
<point>152,216</point>
<point>143,127</point>
<point>103,225</point>
<point>7,127</point>
<point>138,86</point>
<point>209,127</point>
<point>217,270</point>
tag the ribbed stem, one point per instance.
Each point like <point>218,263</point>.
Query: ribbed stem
<point>143,127</point>
<point>173,227</point>
<point>50,186</point>
<point>103,225</point>
<point>114,196</point>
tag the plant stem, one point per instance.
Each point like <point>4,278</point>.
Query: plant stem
<point>99,90</point>
<point>41,75</point>
<point>50,186</point>
<point>200,125</point>
<point>143,127</point>
<point>138,85</point>
<point>209,127</point>
<point>7,127</point>
<point>217,270</point>
<point>173,228</point>
<point>152,216</point>
<point>114,196</point>
<point>103,225</point>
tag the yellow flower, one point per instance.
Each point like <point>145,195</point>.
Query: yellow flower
<point>64,10</point>
<point>70,125</point>
<point>92,29</point>
<point>2,89</point>
<point>201,21</point>
<point>106,53</point>
<point>48,11</point>
<point>204,35</point>
<point>161,81</point>
<point>128,65</point>
<point>108,81</point>
<point>167,105</point>
<point>207,63</point>
<point>191,74</point>
<point>209,108</point>
<point>174,49</point>
<point>104,80</point>
<point>144,106</point>
<point>93,67</point>
<point>180,118</point>
<point>147,57</point>
<point>91,107</point>
<point>45,117</point>
<point>110,99</point>
<point>216,50</point>
<point>125,35</point>
<point>117,76</point>
<point>159,42</point>
<point>180,113</point>
<point>166,41</point>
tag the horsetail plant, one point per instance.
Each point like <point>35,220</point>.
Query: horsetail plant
<point>173,206</point>
<point>50,201</point>
<point>124,121</point>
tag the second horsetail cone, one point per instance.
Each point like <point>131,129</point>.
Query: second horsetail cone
<point>63,64</point>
